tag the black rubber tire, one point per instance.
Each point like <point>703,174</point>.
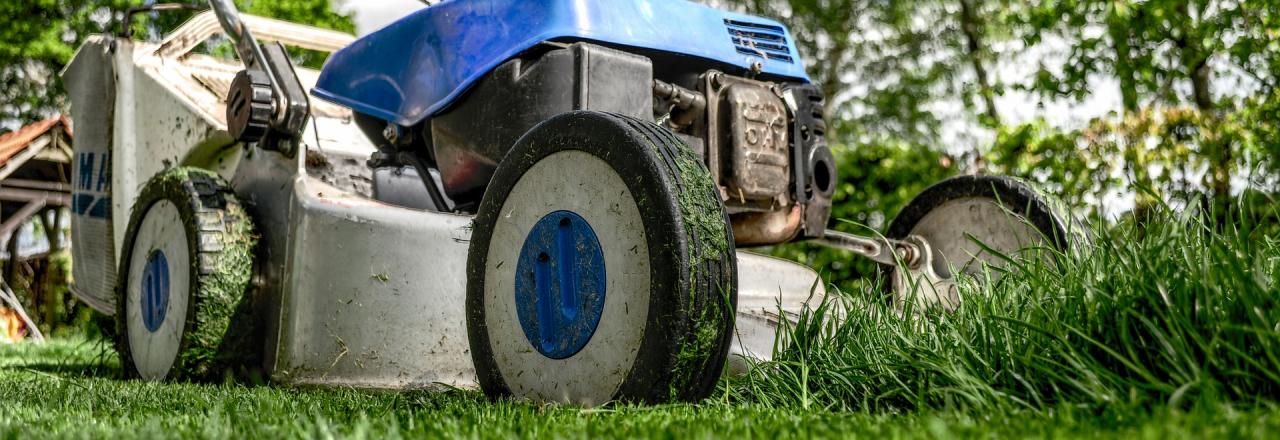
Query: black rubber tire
<point>689,301</point>
<point>220,337</point>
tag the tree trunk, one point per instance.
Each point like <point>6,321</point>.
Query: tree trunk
<point>51,233</point>
<point>1221,158</point>
<point>57,224</point>
<point>1220,154</point>
<point>1195,59</point>
<point>1119,32</point>
<point>971,25</point>
<point>1200,85</point>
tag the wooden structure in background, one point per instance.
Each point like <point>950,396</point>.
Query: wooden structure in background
<point>35,182</point>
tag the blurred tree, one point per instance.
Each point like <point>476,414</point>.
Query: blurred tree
<point>1167,53</point>
<point>1149,153</point>
<point>973,26</point>
<point>1157,154</point>
<point>35,43</point>
<point>42,35</point>
<point>885,65</point>
<point>1152,46</point>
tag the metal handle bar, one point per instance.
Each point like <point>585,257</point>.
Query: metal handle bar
<point>183,40</point>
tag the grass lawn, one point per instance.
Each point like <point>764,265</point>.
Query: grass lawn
<point>67,388</point>
<point>1165,330</point>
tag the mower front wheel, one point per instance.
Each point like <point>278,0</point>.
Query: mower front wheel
<point>183,308</point>
<point>601,267</point>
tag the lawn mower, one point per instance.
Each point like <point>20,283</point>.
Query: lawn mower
<point>548,199</point>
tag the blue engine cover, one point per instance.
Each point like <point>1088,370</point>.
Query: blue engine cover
<point>418,65</point>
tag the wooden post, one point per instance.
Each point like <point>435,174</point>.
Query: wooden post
<point>11,267</point>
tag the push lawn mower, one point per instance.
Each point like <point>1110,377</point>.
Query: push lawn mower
<point>545,198</point>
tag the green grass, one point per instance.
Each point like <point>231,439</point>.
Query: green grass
<point>1163,331</point>
<point>66,388</point>
<point>1170,313</point>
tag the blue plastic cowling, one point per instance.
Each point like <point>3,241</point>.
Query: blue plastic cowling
<point>418,65</point>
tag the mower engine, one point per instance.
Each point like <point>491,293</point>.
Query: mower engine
<point>763,142</point>
<point>741,101</point>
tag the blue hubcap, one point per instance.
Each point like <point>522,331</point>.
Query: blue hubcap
<point>560,284</point>
<point>155,290</point>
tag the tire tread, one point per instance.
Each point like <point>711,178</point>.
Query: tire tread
<point>219,335</point>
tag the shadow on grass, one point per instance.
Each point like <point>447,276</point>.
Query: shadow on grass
<point>97,370</point>
<point>69,357</point>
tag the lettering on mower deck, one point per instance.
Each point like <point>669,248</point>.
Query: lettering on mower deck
<point>92,195</point>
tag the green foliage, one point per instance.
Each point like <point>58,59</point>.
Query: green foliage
<point>38,38</point>
<point>316,13</point>
<point>1260,116</point>
<point>1151,46</point>
<point>1037,152</point>
<point>1160,155</point>
<point>1168,56</point>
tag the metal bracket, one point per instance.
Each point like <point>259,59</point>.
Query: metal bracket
<point>914,277</point>
<point>879,249</point>
<point>294,107</point>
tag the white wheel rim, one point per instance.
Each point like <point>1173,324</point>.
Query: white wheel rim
<point>958,229</point>
<point>578,182</point>
<point>154,349</point>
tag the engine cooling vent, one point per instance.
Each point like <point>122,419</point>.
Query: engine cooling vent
<point>758,39</point>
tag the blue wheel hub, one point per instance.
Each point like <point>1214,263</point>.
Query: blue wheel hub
<point>560,284</point>
<point>155,290</point>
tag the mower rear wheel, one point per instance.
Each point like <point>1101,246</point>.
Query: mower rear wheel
<point>182,307</point>
<point>601,267</point>
<point>972,223</point>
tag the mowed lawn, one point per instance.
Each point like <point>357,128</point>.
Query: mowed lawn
<point>1165,330</point>
<point>68,388</point>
